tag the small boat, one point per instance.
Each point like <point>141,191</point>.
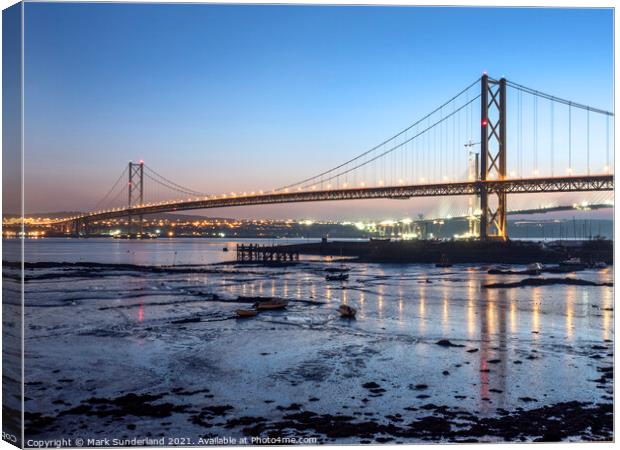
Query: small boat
<point>225,249</point>
<point>246,312</point>
<point>599,265</point>
<point>533,269</point>
<point>347,311</point>
<point>500,270</point>
<point>337,277</point>
<point>571,262</point>
<point>271,304</point>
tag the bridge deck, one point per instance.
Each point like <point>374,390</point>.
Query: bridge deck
<point>509,186</point>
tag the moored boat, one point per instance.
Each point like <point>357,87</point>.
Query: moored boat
<point>246,312</point>
<point>271,304</point>
<point>572,262</point>
<point>534,269</point>
<point>347,311</point>
<point>338,277</point>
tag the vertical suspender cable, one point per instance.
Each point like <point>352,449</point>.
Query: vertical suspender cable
<point>552,137</point>
<point>588,140</point>
<point>441,126</point>
<point>535,135</point>
<point>570,140</point>
<point>454,120</point>
<point>607,144</point>
<point>520,134</point>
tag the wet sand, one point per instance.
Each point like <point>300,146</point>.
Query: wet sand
<point>121,351</point>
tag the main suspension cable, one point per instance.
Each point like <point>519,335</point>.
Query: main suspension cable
<point>382,143</point>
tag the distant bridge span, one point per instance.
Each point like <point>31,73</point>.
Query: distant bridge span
<point>508,186</point>
<point>439,147</point>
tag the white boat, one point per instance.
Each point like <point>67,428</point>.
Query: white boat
<point>534,268</point>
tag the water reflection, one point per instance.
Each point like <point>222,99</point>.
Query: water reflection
<point>536,300</point>
<point>471,308</point>
<point>400,305</point>
<point>493,347</point>
<point>361,303</point>
<point>513,311</point>
<point>606,305</point>
<point>452,305</point>
<point>422,308</point>
<point>571,294</point>
<point>445,318</point>
<point>483,365</point>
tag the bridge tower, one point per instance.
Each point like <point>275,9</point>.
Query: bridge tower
<point>493,157</point>
<point>135,191</point>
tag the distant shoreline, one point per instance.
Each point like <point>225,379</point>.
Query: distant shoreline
<point>433,252</point>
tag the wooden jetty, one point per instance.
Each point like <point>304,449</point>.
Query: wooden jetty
<point>264,253</point>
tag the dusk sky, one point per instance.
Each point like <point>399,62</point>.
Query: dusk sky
<point>222,98</point>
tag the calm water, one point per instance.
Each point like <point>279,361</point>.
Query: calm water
<point>113,332</point>
<point>147,252</point>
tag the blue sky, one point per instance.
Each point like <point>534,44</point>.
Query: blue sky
<point>224,98</point>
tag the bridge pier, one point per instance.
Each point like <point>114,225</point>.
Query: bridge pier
<point>493,158</point>
<point>136,194</point>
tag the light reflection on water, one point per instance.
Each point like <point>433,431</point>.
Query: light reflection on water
<point>606,305</point>
<point>571,292</point>
<point>395,300</point>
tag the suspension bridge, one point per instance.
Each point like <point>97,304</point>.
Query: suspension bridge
<point>458,149</point>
